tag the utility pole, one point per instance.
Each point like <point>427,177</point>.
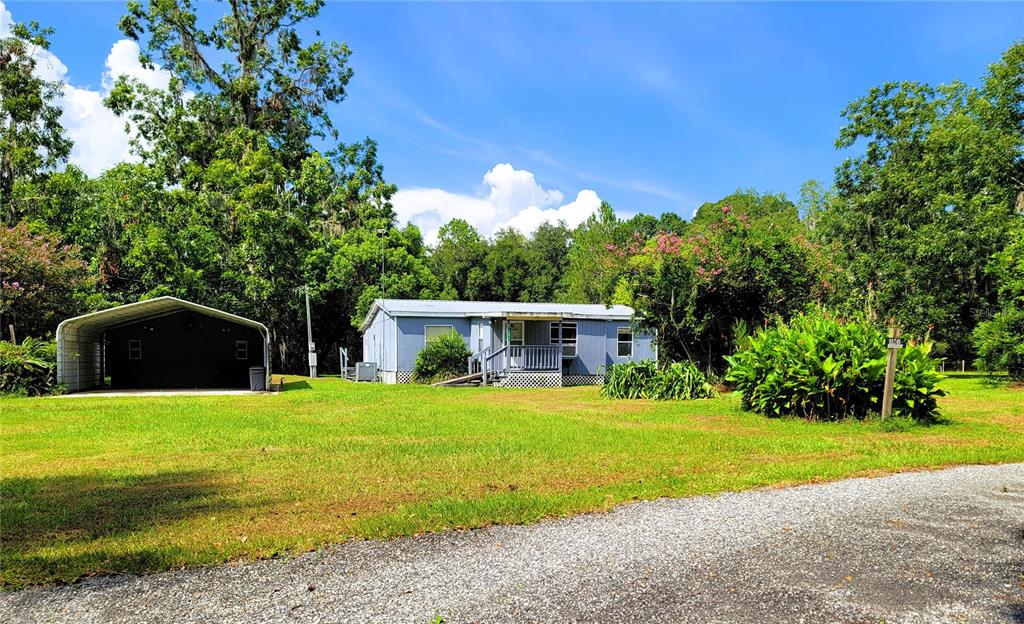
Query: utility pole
<point>309,336</point>
<point>381,232</point>
<point>890,368</point>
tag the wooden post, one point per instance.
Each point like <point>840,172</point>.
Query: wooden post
<point>558,356</point>
<point>890,368</point>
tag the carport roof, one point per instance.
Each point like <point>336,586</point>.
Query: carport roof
<point>150,308</point>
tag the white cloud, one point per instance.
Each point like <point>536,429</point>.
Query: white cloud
<point>575,212</point>
<point>123,60</point>
<point>5,20</point>
<point>513,199</point>
<point>99,135</point>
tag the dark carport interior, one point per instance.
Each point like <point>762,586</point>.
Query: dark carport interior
<point>182,350</point>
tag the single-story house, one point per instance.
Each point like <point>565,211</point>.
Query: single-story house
<point>518,344</point>
<point>161,343</point>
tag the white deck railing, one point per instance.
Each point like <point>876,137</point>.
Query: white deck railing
<point>535,357</point>
<point>515,358</point>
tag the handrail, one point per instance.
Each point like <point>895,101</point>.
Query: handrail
<point>477,357</point>
<point>482,359</point>
<point>503,365</point>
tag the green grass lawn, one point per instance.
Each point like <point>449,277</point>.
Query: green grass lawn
<point>95,485</point>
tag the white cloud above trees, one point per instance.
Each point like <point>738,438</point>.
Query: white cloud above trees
<point>512,198</point>
<point>99,135</point>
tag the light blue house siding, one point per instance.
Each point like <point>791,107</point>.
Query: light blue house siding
<point>597,346</point>
<point>379,342</point>
<point>412,336</point>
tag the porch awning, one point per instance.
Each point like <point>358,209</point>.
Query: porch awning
<point>520,316</point>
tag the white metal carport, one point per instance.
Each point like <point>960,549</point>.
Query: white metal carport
<point>80,351</point>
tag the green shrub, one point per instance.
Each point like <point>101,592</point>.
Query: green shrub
<point>643,380</point>
<point>28,369</point>
<point>821,368</point>
<point>1000,343</point>
<point>444,357</point>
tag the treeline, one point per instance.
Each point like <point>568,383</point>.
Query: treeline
<point>242,194</point>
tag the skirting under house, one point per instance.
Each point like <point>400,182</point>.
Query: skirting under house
<point>514,379</point>
<point>403,377</point>
<point>582,380</point>
<point>530,379</point>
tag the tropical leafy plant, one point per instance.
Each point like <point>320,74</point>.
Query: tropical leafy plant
<point>444,357</point>
<point>820,367</point>
<point>643,380</point>
<point>28,369</point>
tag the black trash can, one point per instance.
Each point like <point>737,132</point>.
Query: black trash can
<point>257,378</point>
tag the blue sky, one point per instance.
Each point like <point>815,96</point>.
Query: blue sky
<point>652,107</point>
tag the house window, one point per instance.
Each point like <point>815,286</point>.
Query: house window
<point>241,349</point>
<point>134,349</point>
<point>433,332</point>
<point>625,342</point>
<point>566,334</point>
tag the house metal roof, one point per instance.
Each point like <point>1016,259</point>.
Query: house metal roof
<point>436,308</point>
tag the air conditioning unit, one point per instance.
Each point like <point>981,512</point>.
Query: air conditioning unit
<point>366,371</point>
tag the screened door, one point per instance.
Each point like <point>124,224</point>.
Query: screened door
<point>516,333</point>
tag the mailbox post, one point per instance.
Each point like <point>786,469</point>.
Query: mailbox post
<point>895,344</point>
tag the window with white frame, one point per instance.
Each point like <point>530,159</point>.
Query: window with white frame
<point>625,342</point>
<point>134,349</point>
<point>433,332</point>
<point>241,349</point>
<point>566,334</point>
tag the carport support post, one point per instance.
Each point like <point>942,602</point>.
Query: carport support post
<point>890,368</point>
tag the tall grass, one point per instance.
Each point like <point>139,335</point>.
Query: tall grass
<point>643,380</point>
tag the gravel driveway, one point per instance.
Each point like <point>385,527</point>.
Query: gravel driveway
<point>944,546</point>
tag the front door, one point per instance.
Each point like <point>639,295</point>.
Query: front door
<point>515,339</point>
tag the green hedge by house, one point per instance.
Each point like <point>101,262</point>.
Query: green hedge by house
<point>443,357</point>
<point>643,380</point>
<point>822,368</point>
<point>29,368</point>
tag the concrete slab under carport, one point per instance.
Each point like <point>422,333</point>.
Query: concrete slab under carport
<point>163,393</point>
